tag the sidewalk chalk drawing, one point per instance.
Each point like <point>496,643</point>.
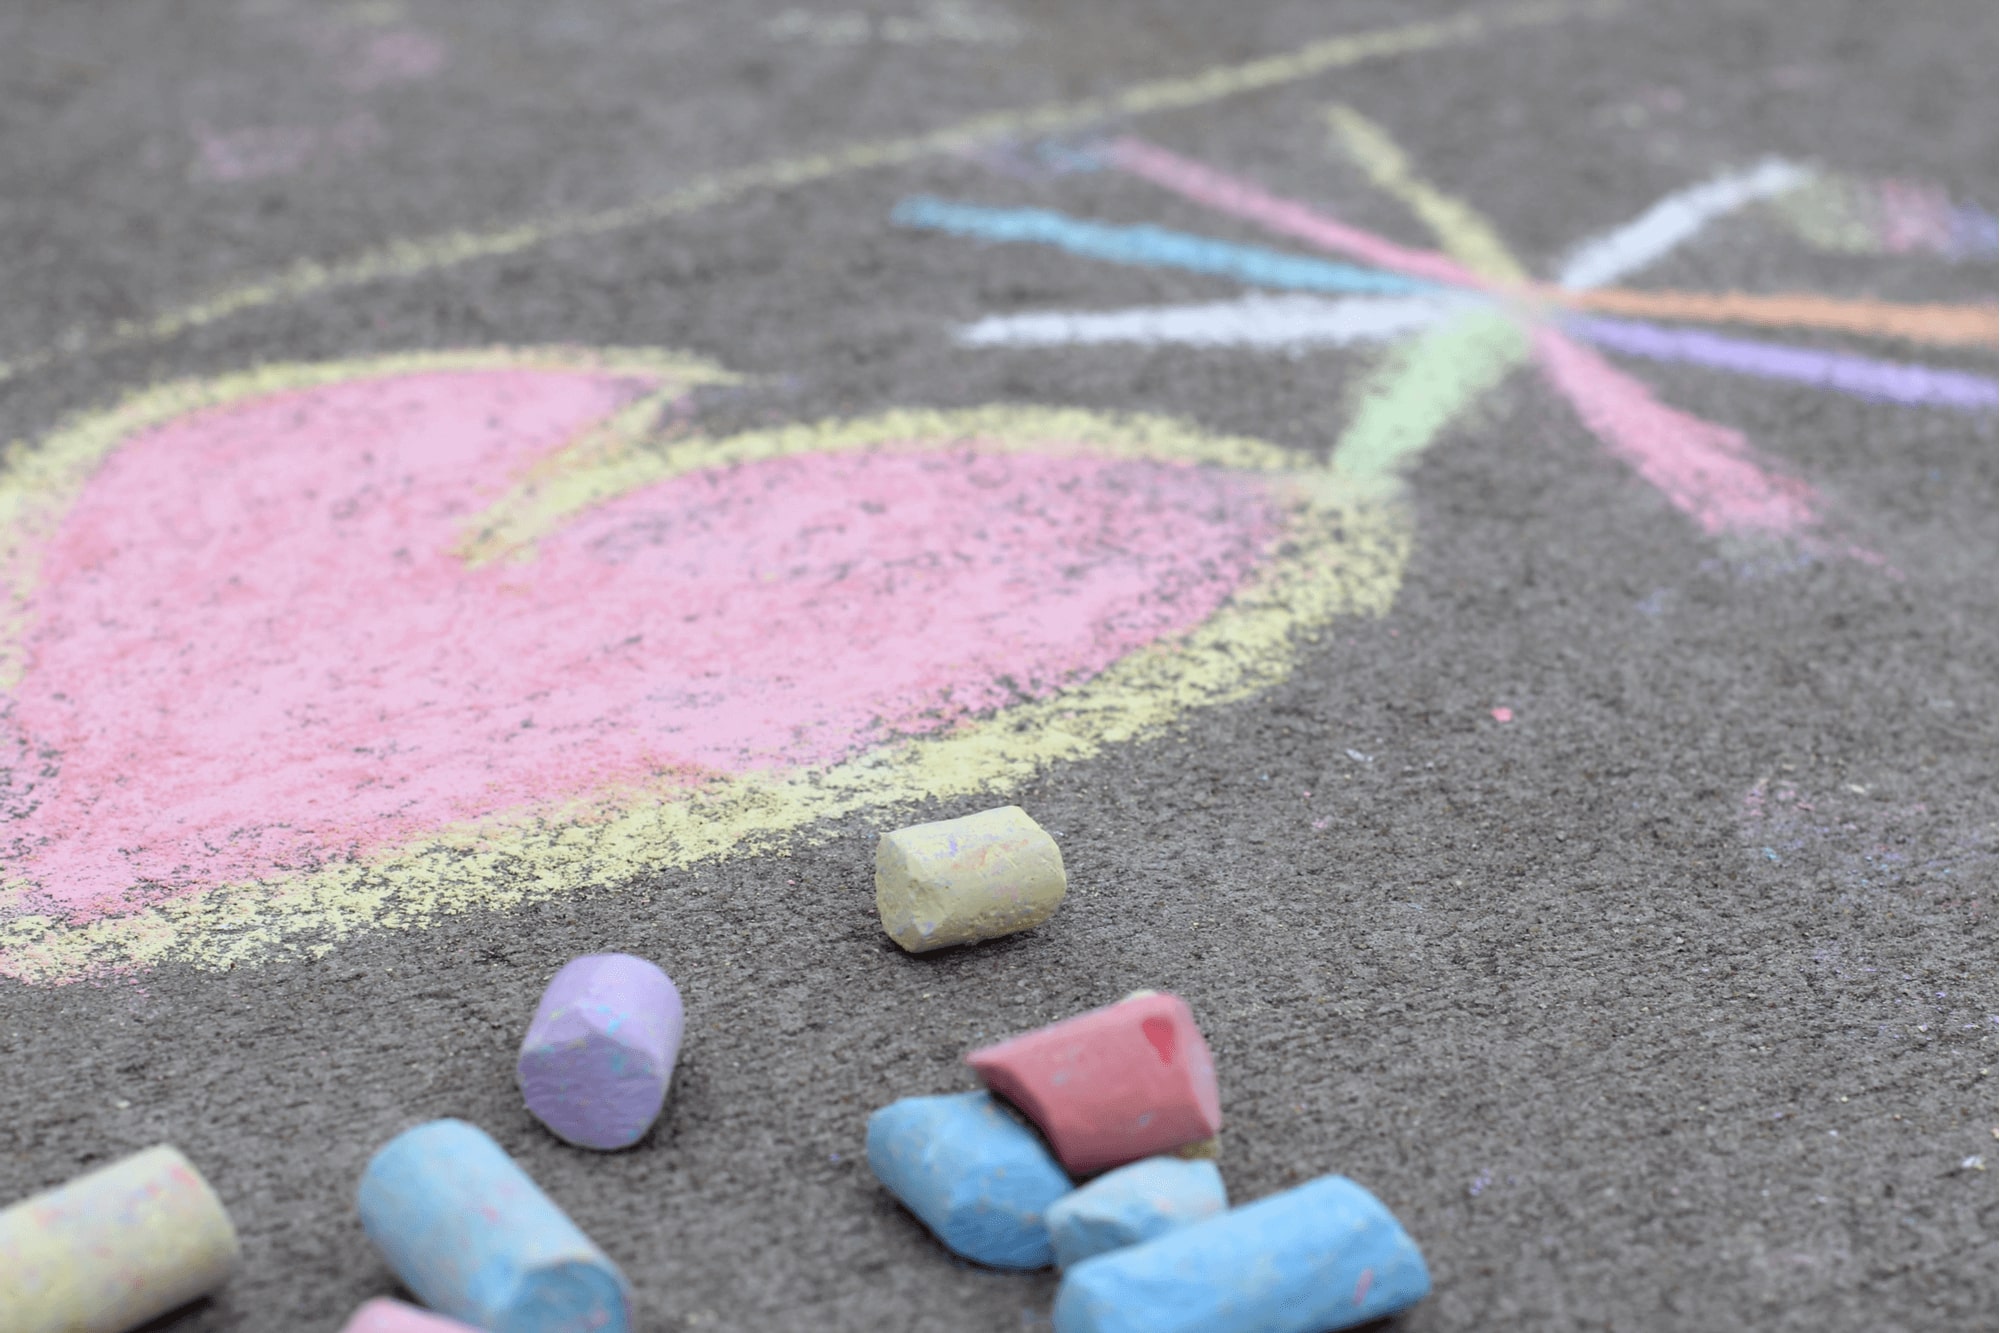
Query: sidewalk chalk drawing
<point>324,647</point>
<point>505,804</point>
<point>1464,316</point>
<point>1852,215</point>
<point>419,256</point>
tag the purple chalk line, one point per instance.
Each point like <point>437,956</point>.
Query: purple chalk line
<point>1862,376</point>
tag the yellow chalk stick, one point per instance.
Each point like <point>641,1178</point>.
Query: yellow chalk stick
<point>959,881</point>
<point>114,1248</point>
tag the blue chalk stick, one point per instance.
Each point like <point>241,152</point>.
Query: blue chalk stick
<point>471,1235</point>
<point>978,1178</point>
<point>1134,1203</point>
<point>1324,1256</point>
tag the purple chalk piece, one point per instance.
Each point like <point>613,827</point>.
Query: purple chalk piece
<point>597,1058</point>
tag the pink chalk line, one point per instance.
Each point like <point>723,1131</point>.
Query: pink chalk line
<point>1708,471</point>
<point>1287,217</point>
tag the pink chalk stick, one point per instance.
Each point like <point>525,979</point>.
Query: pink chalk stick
<point>383,1315</point>
<point>1113,1085</point>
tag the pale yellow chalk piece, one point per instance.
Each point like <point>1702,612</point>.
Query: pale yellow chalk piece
<point>113,1249</point>
<point>959,881</point>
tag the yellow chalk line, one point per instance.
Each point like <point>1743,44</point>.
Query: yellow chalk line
<point>1463,231</point>
<point>1342,553</point>
<point>417,256</point>
<point>580,478</point>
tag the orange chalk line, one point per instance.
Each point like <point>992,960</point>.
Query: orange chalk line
<point>1941,325</point>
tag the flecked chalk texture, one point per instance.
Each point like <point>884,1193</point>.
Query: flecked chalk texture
<point>600,1052</point>
<point>471,1235</point>
<point>114,1248</point>
<point>1113,1085</point>
<point>972,1173</point>
<point>383,1315</point>
<point>1132,1204</point>
<point>1323,1256</point>
<point>959,881</point>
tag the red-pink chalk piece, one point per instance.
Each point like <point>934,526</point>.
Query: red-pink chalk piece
<point>1503,715</point>
<point>383,1315</point>
<point>1113,1085</point>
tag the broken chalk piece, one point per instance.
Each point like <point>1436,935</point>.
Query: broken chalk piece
<point>471,1235</point>
<point>1132,1204</point>
<point>972,1173</point>
<point>1113,1085</point>
<point>1326,1255</point>
<point>600,1052</point>
<point>114,1248</point>
<point>383,1315</point>
<point>959,881</point>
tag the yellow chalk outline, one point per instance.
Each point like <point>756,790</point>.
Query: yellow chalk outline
<point>1342,553</point>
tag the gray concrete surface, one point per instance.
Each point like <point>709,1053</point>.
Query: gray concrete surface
<point>1540,986</point>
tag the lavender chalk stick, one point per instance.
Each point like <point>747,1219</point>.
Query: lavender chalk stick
<point>468,1232</point>
<point>1132,1204</point>
<point>382,1315</point>
<point>600,1052</point>
<point>1324,1256</point>
<point>977,1177</point>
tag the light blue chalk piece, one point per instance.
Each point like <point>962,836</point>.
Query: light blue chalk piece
<point>1324,1256</point>
<point>1132,1204</point>
<point>471,1235</point>
<point>1147,246</point>
<point>977,1177</point>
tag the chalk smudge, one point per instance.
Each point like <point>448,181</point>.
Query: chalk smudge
<point>943,21</point>
<point>262,151</point>
<point>1873,854</point>
<point>402,55</point>
<point>1037,160</point>
<point>1847,215</point>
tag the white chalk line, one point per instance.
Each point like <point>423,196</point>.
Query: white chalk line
<point>1256,320</point>
<point>1673,221</point>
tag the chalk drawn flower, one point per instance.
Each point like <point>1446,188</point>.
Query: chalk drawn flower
<point>327,646</point>
<point>1466,315</point>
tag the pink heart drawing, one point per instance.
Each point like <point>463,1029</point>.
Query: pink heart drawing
<point>254,645</point>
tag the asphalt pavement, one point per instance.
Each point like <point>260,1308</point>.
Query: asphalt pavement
<point>1618,906</point>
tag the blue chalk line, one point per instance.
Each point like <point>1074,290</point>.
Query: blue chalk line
<point>1148,246</point>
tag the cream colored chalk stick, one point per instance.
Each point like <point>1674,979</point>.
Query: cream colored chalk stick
<point>113,1249</point>
<point>959,881</point>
